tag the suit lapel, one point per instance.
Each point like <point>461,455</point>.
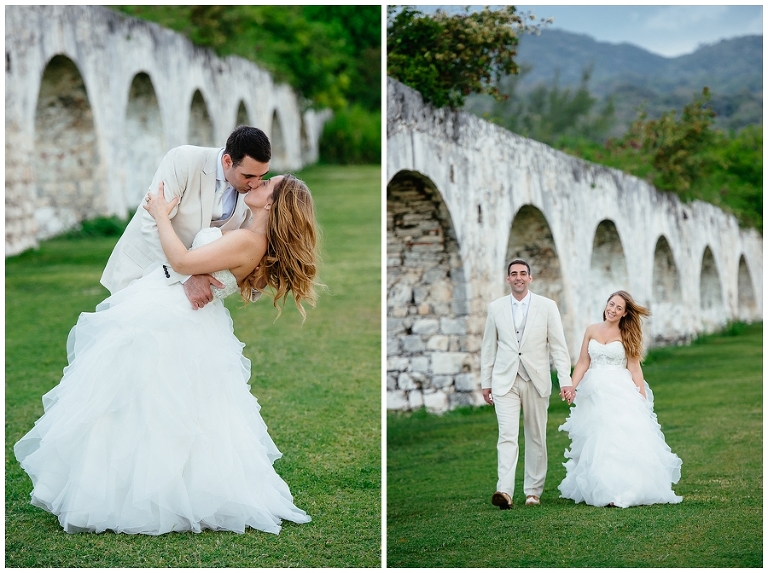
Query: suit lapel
<point>208,188</point>
<point>533,311</point>
<point>509,320</point>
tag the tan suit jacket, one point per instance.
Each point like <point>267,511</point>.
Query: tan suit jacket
<point>501,354</point>
<point>189,173</point>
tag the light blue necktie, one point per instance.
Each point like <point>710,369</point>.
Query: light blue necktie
<point>224,201</point>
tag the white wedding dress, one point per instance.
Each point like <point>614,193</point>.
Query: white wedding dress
<point>153,427</point>
<point>618,453</point>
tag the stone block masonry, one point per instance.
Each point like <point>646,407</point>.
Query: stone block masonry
<point>94,99</point>
<point>464,197</point>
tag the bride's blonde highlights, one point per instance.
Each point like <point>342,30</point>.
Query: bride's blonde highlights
<point>290,263</point>
<point>630,325</point>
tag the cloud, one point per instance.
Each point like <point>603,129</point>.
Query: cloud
<point>682,18</point>
<point>665,30</point>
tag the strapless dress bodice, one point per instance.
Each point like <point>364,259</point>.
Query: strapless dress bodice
<point>609,355</point>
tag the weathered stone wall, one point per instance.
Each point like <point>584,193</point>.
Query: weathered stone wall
<point>94,99</point>
<point>464,197</point>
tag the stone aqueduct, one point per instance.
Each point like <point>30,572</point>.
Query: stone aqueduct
<point>465,196</point>
<point>94,99</point>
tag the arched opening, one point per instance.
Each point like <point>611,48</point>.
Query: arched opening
<point>279,152</point>
<point>607,268</point>
<point>430,355</point>
<point>143,143</point>
<point>304,140</point>
<point>200,126</point>
<point>713,313</point>
<point>747,301</point>
<point>242,115</point>
<point>668,322</point>
<point>66,162</point>
<point>530,239</point>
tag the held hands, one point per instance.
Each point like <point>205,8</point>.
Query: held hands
<point>568,393</point>
<point>157,206</point>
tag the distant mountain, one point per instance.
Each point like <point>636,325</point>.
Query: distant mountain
<point>727,66</point>
<point>632,76</point>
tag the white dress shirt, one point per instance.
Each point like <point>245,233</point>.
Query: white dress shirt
<point>520,310</point>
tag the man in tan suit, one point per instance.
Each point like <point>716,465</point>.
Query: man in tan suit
<point>521,331</point>
<point>211,184</point>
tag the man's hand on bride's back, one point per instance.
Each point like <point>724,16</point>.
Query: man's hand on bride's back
<point>198,289</point>
<point>156,205</point>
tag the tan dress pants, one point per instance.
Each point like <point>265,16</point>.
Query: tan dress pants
<point>522,395</point>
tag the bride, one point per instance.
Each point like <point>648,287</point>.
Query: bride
<point>618,456</point>
<point>153,427</point>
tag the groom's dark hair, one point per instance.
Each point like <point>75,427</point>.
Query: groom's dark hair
<point>519,262</point>
<point>250,141</point>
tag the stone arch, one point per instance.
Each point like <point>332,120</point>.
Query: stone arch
<point>279,149</point>
<point>668,322</point>
<point>607,268</point>
<point>712,304</point>
<point>108,57</point>
<point>200,125</point>
<point>67,186</point>
<point>143,141</point>
<point>666,278</point>
<point>748,310</point>
<point>530,239</point>
<point>431,354</point>
<point>306,148</point>
<point>242,118</point>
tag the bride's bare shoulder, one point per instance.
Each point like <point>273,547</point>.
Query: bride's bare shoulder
<point>246,235</point>
<point>592,329</point>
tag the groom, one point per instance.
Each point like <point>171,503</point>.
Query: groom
<point>211,184</point>
<point>521,331</point>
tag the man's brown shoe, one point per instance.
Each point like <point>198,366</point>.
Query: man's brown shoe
<point>502,500</point>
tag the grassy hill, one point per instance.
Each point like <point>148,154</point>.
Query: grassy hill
<point>633,76</point>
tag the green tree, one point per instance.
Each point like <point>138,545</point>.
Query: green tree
<point>328,54</point>
<point>684,154</point>
<point>360,27</point>
<point>549,114</point>
<point>675,147</point>
<point>737,179</point>
<point>447,57</point>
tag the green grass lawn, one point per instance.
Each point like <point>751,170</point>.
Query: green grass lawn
<point>318,385</point>
<point>708,396</point>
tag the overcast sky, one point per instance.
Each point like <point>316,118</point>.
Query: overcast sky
<point>665,30</point>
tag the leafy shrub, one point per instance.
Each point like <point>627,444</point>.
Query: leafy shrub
<point>352,136</point>
<point>98,227</point>
<point>685,155</point>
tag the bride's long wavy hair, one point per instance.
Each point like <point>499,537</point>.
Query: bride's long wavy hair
<point>290,263</point>
<point>630,325</point>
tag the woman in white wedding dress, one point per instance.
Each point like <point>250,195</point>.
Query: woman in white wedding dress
<point>153,427</point>
<point>618,455</point>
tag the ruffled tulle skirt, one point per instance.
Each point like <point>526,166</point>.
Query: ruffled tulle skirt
<point>153,427</point>
<point>618,453</point>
